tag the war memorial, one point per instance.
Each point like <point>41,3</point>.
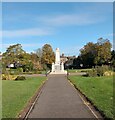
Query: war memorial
<point>58,66</point>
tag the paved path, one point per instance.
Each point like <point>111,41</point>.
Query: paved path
<point>59,100</point>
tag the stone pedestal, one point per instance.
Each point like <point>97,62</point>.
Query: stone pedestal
<point>62,66</point>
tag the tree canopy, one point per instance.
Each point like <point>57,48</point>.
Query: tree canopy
<point>16,55</point>
<point>96,53</point>
<point>48,56</point>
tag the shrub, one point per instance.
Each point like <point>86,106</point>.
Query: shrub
<point>102,69</point>
<point>99,71</point>
<point>8,77</point>
<point>20,78</point>
<point>20,70</point>
<point>92,73</point>
<point>37,72</point>
<point>108,73</point>
<point>3,77</point>
<point>14,71</point>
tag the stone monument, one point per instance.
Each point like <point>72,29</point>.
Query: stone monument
<point>58,67</point>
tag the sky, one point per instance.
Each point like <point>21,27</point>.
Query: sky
<point>64,25</point>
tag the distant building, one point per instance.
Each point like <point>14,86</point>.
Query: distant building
<point>67,60</point>
<point>63,58</point>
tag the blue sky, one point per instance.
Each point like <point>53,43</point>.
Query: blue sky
<point>68,26</point>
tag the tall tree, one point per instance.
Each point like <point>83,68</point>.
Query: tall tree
<point>88,54</point>
<point>13,54</point>
<point>48,56</point>
<point>103,51</point>
<point>77,62</point>
<point>113,59</point>
<point>16,55</point>
<point>35,61</point>
<point>39,54</point>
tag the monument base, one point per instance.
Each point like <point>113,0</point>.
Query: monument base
<point>59,72</point>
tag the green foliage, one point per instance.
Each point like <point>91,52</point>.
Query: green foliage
<point>8,77</point>
<point>99,90</point>
<point>4,77</point>
<point>39,54</point>
<point>14,72</point>
<point>28,62</point>
<point>96,53</point>
<point>38,72</point>
<point>98,71</point>
<point>88,54</point>
<point>103,52</point>
<point>20,70</point>
<point>17,56</point>
<point>12,54</point>
<point>102,69</point>
<point>48,56</point>
<point>92,73</point>
<point>108,73</point>
<point>20,78</point>
<point>113,60</point>
<point>36,60</point>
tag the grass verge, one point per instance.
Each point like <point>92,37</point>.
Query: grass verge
<point>99,90</point>
<point>16,94</point>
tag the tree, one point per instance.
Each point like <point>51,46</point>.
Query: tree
<point>13,54</point>
<point>77,62</point>
<point>88,54</point>
<point>17,56</point>
<point>35,61</point>
<point>113,59</point>
<point>96,54</point>
<point>39,54</point>
<point>103,51</point>
<point>48,56</point>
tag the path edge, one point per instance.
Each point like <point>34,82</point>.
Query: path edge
<point>31,102</point>
<point>85,98</point>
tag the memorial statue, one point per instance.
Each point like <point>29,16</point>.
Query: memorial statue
<point>58,67</point>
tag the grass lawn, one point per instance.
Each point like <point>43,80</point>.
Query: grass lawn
<point>99,90</point>
<point>16,94</point>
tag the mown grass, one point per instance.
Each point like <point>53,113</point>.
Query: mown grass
<point>99,90</point>
<point>16,94</point>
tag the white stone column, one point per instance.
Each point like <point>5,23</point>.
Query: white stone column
<point>57,58</point>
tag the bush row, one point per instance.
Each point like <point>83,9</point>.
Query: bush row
<point>12,77</point>
<point>100,71</point>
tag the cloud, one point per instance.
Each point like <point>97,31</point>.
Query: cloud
<point>71,19</point>
<point>26,32</point>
